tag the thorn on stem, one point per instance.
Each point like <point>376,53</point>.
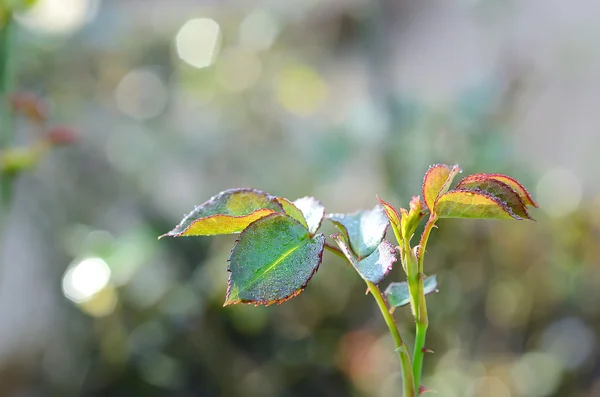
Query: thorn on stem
<point>423,389</point>
<point>426,350</point>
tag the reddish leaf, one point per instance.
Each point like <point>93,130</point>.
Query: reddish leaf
<point>498,189</point>
<point>477,204</point>
<point>392,214</point>
<point>517,187</point>
<point>437,181</point>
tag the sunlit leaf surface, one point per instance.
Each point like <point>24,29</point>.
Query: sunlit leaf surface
<point>364,229</point>
<point>228,212</point>
<point>313,212</point>
<point>497,188</point>
<point>437,181</point>
<point>472,204</point>
<point>374,267</point>
<point>292,210</point>
<point>272,261</point>
<point>515,185</point>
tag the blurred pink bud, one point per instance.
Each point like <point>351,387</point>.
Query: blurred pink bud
<point>62,135</point>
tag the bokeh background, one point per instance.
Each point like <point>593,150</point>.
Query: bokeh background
<point>176,100</point>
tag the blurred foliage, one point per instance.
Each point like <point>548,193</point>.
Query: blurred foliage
<point>298,99</point>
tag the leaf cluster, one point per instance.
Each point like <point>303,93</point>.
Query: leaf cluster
<point>279,250</point>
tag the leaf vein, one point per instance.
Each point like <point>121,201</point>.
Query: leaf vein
<point>271,267</point>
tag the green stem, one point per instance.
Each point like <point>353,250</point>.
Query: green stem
<point>424,238</point>
<point>412,275</point>
<point>421,316</point>
<point>408,383</point>
<point>419,352</point>
<point>6,81</point>
<point>6,78</point>
<point>405,364</point>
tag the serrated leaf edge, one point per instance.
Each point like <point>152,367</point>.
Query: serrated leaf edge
<point>483,177</point>
<point>525,191</point>
<point>454,170</point>
<point>387,205</point>
<point>501,203</point>
<point>431,167</point>
<point>181,234</point>
<point>214,198</point>
<point>276,301</point>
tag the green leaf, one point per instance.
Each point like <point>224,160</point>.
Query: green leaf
<point>272,261</point>
<point>364,229</point>
<point>462,203</point>
<point>228,212</point>
<point>313,212</point>
<point>514,184</point>
<point>498,189</point>
<point>290,209</point>
<point>374,267</point>
<point>437,181</point>
<point>398,294</point>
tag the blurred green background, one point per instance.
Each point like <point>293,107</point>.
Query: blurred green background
<point>176,100</point>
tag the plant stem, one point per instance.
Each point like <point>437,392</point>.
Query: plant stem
<point>418,353</point>
<point>424,238</point>
<point>408,383</point>
<point>421,316</point>
<point>6,80</point>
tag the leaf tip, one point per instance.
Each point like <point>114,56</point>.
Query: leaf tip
<point>168,234</point>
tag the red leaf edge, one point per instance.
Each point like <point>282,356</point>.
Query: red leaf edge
<point>488,195</point>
